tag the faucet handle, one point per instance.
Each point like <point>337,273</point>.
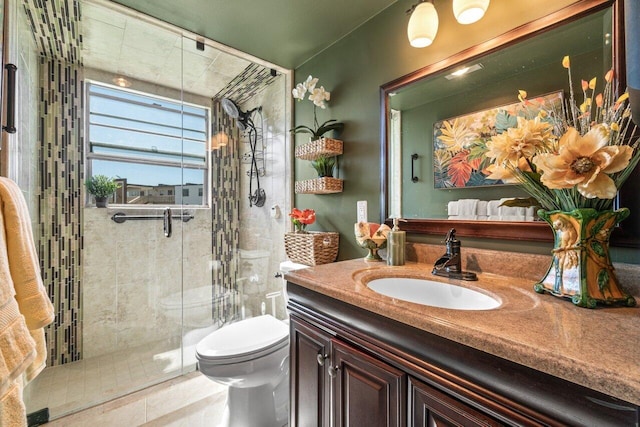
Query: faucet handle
<point>451,236</point>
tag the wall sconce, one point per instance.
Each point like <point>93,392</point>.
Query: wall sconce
<point>469,11</point>
<point>218,141</point>
<point>423,24</point>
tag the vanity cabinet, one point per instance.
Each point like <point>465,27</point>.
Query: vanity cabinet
<point>429,407</point>
<point>310,391</point>
<point>333,380</point>
<point>352,367</point>
<point>368,392</point>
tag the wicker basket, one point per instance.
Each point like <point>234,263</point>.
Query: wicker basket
<point>323,185</point>
<point>327,147</point>
<point>312,248</point>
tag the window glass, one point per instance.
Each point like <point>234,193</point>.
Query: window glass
<point>153,146</point>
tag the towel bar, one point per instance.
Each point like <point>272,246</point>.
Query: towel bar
<point>121,217</point>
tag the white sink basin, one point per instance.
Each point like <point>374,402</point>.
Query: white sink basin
<point>435,294</point>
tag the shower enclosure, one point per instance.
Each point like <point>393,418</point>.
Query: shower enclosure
<point>181,249</point>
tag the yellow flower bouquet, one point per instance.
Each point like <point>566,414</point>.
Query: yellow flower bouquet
<point>572,159</point>
<point>577,157</point>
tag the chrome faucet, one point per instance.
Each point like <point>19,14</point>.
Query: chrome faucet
<point>450,264</point>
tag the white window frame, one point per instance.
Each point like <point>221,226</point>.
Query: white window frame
<point>90,156</point>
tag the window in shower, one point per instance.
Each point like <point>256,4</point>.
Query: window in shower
<point>155,147</point>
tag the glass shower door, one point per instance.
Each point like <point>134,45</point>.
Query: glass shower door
<point>115,275</point>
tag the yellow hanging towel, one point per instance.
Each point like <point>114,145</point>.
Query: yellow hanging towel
<point>25,308</point>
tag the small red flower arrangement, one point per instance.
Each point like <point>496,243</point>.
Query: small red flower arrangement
<point>302,218</point>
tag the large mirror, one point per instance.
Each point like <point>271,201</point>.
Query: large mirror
<point>415,107</point>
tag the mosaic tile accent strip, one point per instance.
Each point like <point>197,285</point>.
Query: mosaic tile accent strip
<point>56,28</point>
<point>60,204</point>
<point>247,84</point>
<point>225,212</point>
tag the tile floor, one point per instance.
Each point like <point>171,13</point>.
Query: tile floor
<point>191,400</point>
<point>68,388</point>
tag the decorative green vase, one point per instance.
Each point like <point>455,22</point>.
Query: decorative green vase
<point>581,269</point>
<point>373,248</point>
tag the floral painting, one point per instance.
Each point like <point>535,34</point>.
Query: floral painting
<point>460,143</point>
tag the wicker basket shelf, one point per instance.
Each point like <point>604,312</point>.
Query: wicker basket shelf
<point>324,185</point>
<point>312,248</point>
<point>327,147</point>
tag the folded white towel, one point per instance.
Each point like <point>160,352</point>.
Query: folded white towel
<point>481,209</point>
<point>493,210</point>
<point>467,207</point>
<point>530,213</point>
<point>452,208</point>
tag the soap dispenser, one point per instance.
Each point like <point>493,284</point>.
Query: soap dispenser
<point>396,240</point>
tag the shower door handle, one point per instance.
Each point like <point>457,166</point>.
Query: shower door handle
<point>167,222</point>
<point>11,99</point>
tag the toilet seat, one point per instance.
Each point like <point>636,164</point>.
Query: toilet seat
<point>244,340</point>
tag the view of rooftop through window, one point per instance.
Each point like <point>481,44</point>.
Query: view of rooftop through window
<point>155,147</point>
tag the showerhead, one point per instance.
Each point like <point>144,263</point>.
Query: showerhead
<point>233,111</point>
<point>231,108</point>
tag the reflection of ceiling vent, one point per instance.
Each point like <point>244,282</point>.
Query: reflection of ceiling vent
<point>464,71</point>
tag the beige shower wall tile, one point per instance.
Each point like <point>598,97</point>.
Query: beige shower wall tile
<point>134,263</point>
<point>99,337</point>
<point>137,318</point>
<point>99,249</point>
<point>197,271</point>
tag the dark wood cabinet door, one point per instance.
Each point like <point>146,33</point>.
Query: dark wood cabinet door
<point>429,407</point>
<point>368,392</point>
<point>310,385</point>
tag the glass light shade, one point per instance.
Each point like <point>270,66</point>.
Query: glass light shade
<point>469,11</point>
<point>423,25</point>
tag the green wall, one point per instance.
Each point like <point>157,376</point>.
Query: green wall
<point>354,68</point>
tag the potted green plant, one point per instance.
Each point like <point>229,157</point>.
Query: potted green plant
<point>324,166</point>
<point>101,187</point>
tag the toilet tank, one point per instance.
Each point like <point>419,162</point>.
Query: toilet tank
<point>285,267</point>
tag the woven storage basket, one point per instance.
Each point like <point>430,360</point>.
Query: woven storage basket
<point>327,147</point>
<point>323,185</point>
<point>312,248</point>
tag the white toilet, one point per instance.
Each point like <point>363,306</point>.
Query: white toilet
<point>252,358</point>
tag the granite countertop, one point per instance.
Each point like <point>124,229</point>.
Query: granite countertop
<point>597,348</point>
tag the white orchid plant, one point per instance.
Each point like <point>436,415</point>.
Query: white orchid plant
<point>319,96</point>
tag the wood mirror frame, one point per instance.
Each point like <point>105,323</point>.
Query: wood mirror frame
<point>528,231</point>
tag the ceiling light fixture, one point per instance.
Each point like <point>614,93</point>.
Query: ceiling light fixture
<point>122,82</point>
<point>423,23</point>
<point>469,11</point>
<point>462,71</point>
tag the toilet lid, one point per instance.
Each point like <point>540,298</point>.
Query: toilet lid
<point>243,337</point>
